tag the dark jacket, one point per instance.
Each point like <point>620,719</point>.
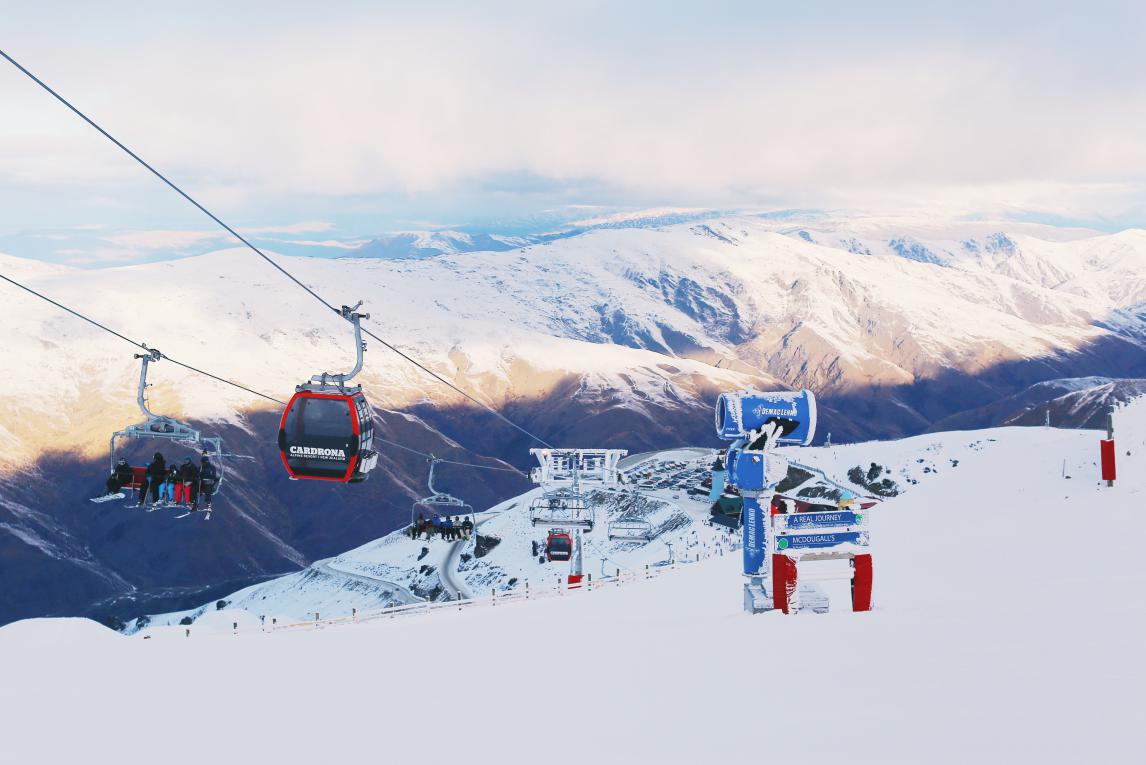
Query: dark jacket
<point>188,472</point>
<point>157,470</point>
<point>124,474</point>
<point>208,474</point>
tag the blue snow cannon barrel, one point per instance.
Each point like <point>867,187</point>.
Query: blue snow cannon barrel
<point>739,412</point>
<point>746,470</point>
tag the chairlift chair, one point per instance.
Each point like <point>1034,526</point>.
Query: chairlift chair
<point>439,503</point>
<point>633,530</point>
<point>562,507</point>
<point>164,428</point>
<point>327,432</point>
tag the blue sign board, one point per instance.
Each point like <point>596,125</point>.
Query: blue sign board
<point>823,520</point>
<point>754,547</point>
<point>813,541</point>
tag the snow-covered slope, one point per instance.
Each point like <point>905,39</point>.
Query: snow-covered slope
<point>504,555</point>
<point>1006,629</point>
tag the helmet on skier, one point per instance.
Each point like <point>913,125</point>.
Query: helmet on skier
<point>122,461</point>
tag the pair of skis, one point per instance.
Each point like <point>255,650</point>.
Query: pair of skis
<point>206,514</point>
<point>153,507</point>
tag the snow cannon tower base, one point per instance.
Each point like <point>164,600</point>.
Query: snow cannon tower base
<point>776,541</point>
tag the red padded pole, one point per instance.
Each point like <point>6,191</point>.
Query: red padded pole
<point>861,583</point>
<point>1106,448</point>
<point>783,581</point>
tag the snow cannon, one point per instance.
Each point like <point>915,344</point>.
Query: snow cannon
<point>739,413</point>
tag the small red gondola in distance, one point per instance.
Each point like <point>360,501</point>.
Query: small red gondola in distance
<point>558,546</point>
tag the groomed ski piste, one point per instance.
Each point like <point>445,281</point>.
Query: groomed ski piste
<point>1007,627</point>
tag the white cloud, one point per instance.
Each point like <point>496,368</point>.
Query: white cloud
<point>722,105</point>
<point>162,240</point>
<point>331,243</point>
<point>306,227</point>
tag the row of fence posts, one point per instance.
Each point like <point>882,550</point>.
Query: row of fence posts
<point>561,587</point>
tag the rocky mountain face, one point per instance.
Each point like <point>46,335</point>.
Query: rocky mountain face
<point>616,337</point>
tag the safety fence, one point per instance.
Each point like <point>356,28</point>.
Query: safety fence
<point>525,591</point>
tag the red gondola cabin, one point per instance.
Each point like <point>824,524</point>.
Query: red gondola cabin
<point>327,436</point>
<point>559,546</point>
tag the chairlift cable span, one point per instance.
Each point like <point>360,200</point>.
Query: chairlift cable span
<point>144,346</point>
<point>224,380</point>
<point>263,255</point>
<point>442,461</point>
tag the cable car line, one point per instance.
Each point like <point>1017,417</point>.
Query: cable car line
<point>448,462</point>
<point>263,255</point>
<point>205,373</point>
<point>144,346</point>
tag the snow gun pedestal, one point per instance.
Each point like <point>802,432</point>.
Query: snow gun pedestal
<point>775,544</point>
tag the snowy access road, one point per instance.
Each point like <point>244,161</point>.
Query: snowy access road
<point>457,588</point>
<point>400,593</point>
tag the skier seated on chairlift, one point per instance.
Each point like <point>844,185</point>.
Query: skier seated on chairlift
<point>187,479</point>
<point>154,477</point>
<point>467,529</point>
<point>451,531</point>
<point>208,483</point>
<point>122,476</point>
<point>167,488</point>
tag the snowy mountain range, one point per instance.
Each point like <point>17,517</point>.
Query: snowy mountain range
<point>618,336</point>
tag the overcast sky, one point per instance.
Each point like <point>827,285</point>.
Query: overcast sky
<point>346,120</point>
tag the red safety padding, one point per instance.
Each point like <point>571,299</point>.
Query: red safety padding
<point>861,583</point>
<point>1107,449</point>
<point>138,475</point>
<point>783,581</point>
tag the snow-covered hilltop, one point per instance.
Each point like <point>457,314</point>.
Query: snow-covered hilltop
<point>1005,628</point>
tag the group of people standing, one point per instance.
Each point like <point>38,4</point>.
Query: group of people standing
<point>185,485</point>
<point>447,528</point>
